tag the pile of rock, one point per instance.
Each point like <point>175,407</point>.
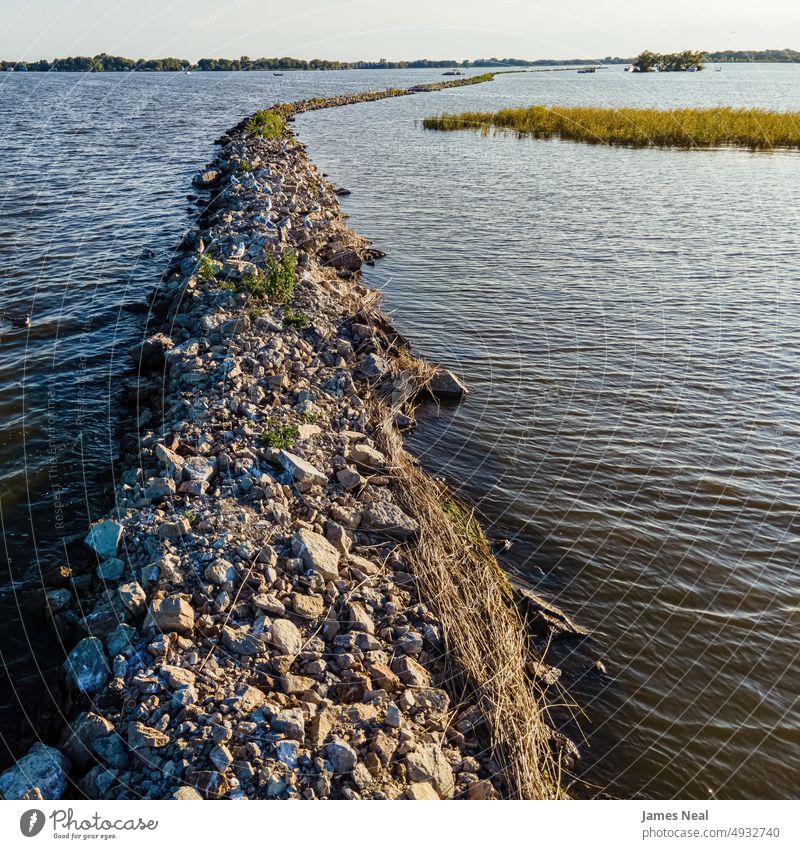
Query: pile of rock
<point>253,627</point>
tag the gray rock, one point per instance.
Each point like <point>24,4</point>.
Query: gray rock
<point>133,597</point>
<point>172,461</point>
<point>174,530</point>
<point>389,518</point>
<point>316,553</point>
<point>104,538</point>
<point>43,767</point>
<point>301,470</point>
<point>367,457</point>
<point>112,750</point>
<point>111,569</point>
<point>141,736</point>
<point>122,640</point>
<point>83,731</point>
<point>242,642</point>
<point>199,468</point>
<point>410,672</point>
<point>286,637</point>
<point>86,666</point>
<point>172,613</point>
<point>187,794</point>
<point>157,488</point>
<point>149,353</point>
<point>428,763</point>
<point>445,384</point>
<point>342,756</point>
<point>373,366</point>
<point>221,757</point>
<point>289,722</point>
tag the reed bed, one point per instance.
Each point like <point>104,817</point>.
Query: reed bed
<point>756,129</point>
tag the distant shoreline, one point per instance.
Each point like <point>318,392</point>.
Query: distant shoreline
<point>103,63</point>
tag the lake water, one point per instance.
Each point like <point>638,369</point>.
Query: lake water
<point>628,321</point>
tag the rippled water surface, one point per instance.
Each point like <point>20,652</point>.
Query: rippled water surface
<point>628,320</point>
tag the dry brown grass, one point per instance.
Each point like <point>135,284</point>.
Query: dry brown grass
<point>486,645</point>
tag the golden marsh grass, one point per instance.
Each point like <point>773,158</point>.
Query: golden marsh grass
<point>755,129</point>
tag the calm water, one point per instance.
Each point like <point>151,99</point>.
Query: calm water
<point>629,322</point>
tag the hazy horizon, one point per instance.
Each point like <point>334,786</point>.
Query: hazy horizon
<point>374,29</point>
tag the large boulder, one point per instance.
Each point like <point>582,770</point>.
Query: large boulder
<point>104,538</point>
<point>446,385</point>
<point>87,667</point>
<point>149,353</point>
<point>43,768</point>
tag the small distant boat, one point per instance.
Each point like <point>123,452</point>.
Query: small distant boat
<point>586,70</point>
<point>452,74</point>
<point>717,70</point>
<point>277,74</point>
<point>630,68</point>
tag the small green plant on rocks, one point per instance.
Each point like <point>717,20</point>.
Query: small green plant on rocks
<point>279,435</point>
<point>296,319</point>
<point>191,518</point>
<point>266,124</point>
<point>207,268</point>
<point>277,283</point>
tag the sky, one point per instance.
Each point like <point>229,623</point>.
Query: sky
<point>391,29</point>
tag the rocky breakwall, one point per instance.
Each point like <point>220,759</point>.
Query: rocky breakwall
<point>282,604</point>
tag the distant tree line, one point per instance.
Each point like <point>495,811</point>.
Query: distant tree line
<point>646,61</point>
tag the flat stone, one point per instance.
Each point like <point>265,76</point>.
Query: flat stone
<point>133,597</point>
<point>172,613</point>
<point>174,530</point>
<point>316,553</point>
<point>390,519</point>
<point>241,641</point>
<point>349,479</point>
<point>269,603</point>
<point>286,637</point>
<point>342,756</point>
<point>358,619</point>
<point>177,676</point>
<point>87,667</point>
<point>301,470</point>
<point>308,606</point>
<point>104,538</point>
<point>43,767</point>
<point>172,461</point>
<point>141,736</point>
<point>289,722</point>
<point>428,763</point>
<point>186,794</point>
<point>367,457</point>
<point>422,791</point>
<point>221,757</point>
<point>410,672</point>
